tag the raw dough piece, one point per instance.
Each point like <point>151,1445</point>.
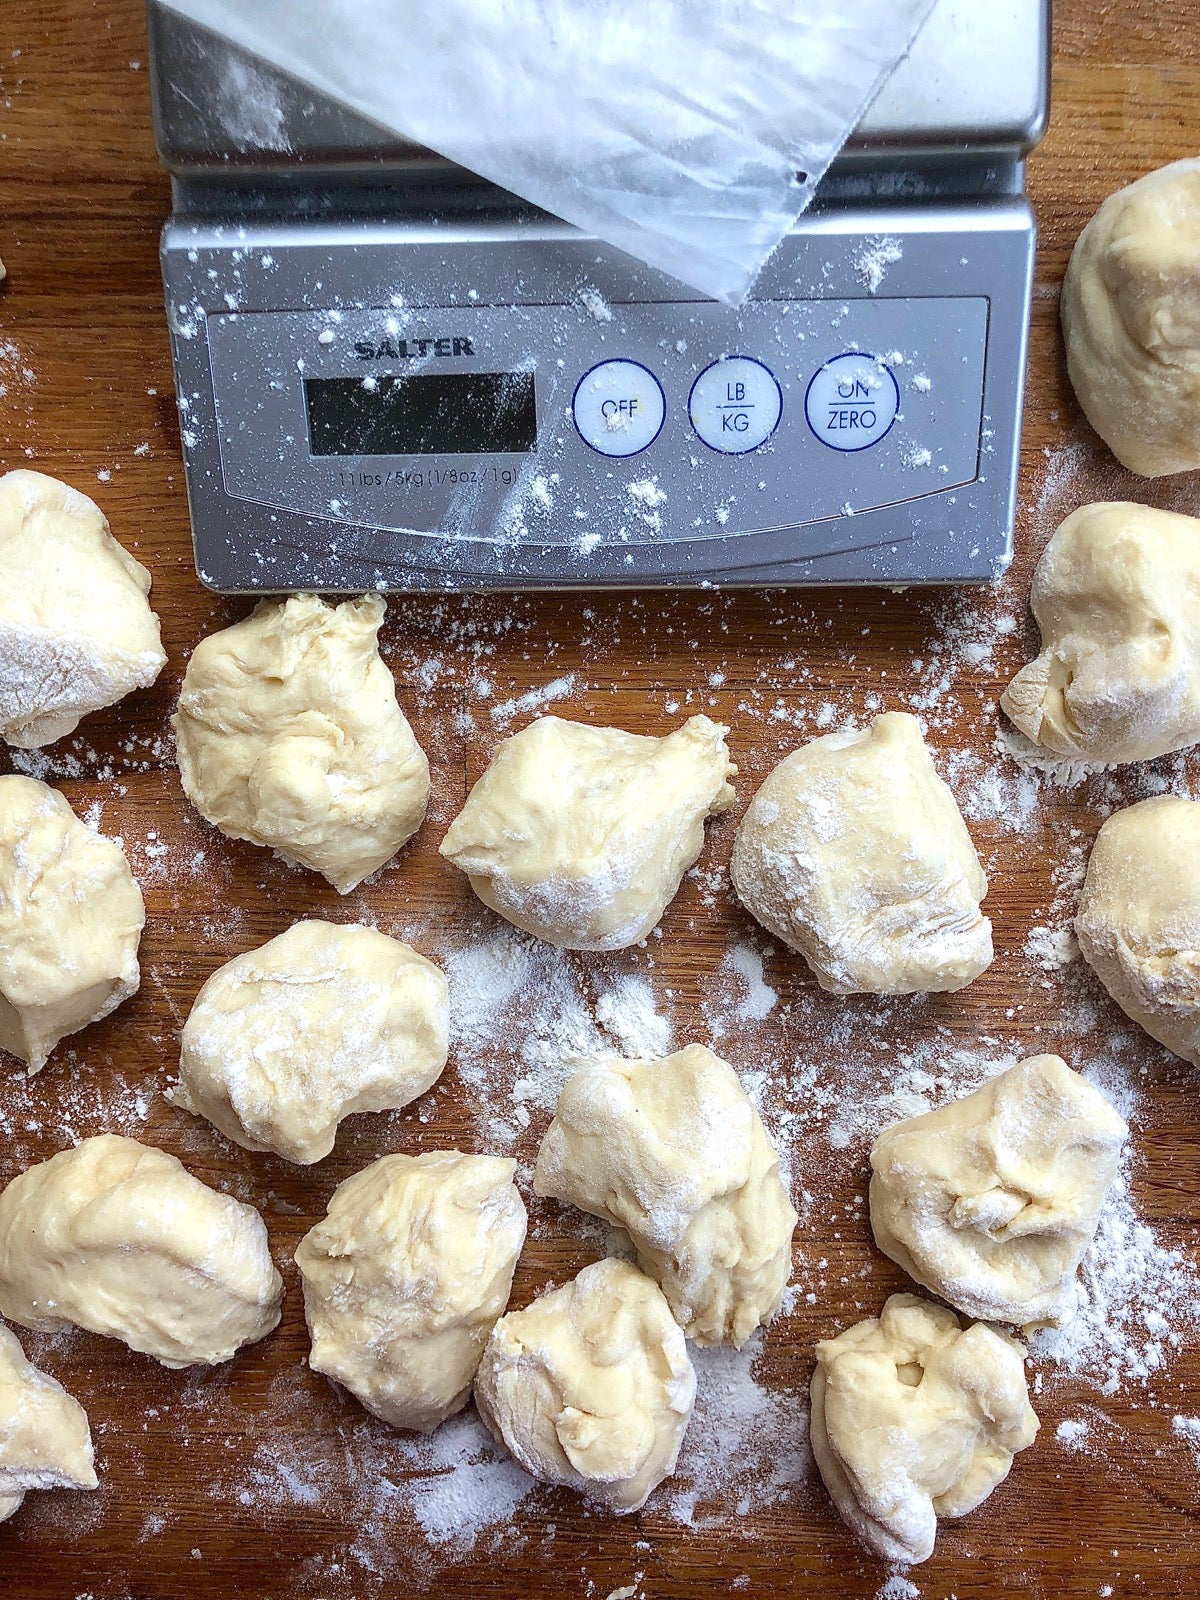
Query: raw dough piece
<point>1116,595</point>
<point>71,918</point>
<point>581,835</point>
<point>914,1418</point>
<point>117,1237</point>
<point>320,1022</point>
<point>591,1386</point>
<point>674,1152</point>
<point>991,1201</point>
<point>1131,317</point>
<point>1138,923</point>
<point>45,1441</point>
<point>853,852</point>
<point>290,736</point>
<point>76,631</point>
<point>406,1276</point>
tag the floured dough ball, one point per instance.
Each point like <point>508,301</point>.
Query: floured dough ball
<point>674,1152</point>
<point>317,1024</point>
<point>914,1418</point>
<point>1131,317</point>
<point>406,1276</point>
<point>853,852</point>
<point>591,1386</point>
<point>582,835</point>
<point>1116,595</point>
<point>71,919</point>
<point>290,736</point>
<point>117,1237</point>
<point>76,631</point>
<point>1138,923</point>
<point>991,1201</point>
<point>45,1441</point>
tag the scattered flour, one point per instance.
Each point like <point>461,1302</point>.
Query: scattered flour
<point>874,258</point>
<point>1188,1429</point>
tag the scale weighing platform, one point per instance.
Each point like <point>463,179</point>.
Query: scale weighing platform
<point>394,376</point>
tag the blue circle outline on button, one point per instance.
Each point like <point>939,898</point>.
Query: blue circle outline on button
<point>613,361</point>
<point>720,362</point>
<point>852,449</point>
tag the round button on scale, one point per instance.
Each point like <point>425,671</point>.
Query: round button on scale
<point>852,401</point>
<point>619,408</point>
<point>735,405</point>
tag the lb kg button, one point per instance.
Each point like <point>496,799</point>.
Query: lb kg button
<point>852,401</point>
<point>619,408</point>
<point>735,405</point>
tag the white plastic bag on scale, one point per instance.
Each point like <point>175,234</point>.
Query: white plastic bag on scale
<point>690,133</point>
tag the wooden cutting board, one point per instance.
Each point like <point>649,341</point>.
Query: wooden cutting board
<point>261,1480</point>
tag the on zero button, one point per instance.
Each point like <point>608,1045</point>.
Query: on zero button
<point>619,408</point>
<point>852,401</point>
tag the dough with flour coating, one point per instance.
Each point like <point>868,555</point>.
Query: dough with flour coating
<point>1138,922</point>
<point>915,1417</point>
<point>591,1386</point>
<point>990,1201</point>
<point>45,1441</point>
<point>71,919</point>
<point>674,1152</point>
<point>1131,319</point>
<point>582,835</point>
<point>290,736</point>
<point>76,630</point>
<point>1116,595</point>
<point>319,1023</point>
<point>405,1278</point>
<point>118,1237</point>
<point>853,852</point>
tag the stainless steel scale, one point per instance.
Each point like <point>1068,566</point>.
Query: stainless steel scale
<point>392,375</point>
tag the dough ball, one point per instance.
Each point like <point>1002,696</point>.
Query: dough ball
<point>290,736</point>
<point>853,852</point>
<point>582,835</point>
<point>591,1386</point>
<point>319,1023</point>
<point>1131,317</point>
<point>1116,595</point>
<point>674,1152</point>
<point>71,919</point>
<point>76,631</point>
<point>915,1417</point>
<point>1138,923</point>
<point>991,1201</point>
<point>117,1237</point>
<point>406,1276</point>
<point>45,1441</point>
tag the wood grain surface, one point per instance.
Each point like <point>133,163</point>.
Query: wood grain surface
<point>259,1479</point>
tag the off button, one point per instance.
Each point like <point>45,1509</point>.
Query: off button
<point>852,401</point>
<point>735,405</point>
<point>619,407</point>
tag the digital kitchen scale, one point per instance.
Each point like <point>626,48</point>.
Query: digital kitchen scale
<point>392,375</point>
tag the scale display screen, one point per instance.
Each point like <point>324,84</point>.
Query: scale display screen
<point>458,413</point>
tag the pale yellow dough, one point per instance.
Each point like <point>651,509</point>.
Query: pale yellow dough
<point>117,1237</point>
<point>319,1023</point>
<point>1138,922</point>
<point>76,630</point>
<point>45,1441</point>
<point>71,918</point>
<point>854,853</point>
<point>915,1417</point>
<point>990,1201</point>
<point>290,736</point>
<point>590,1386</point>
<point>582,835</point>
<point>405,1277</point>
<point>674,1152</point>
<point>1131,318</point>
<point>1116,595</point>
